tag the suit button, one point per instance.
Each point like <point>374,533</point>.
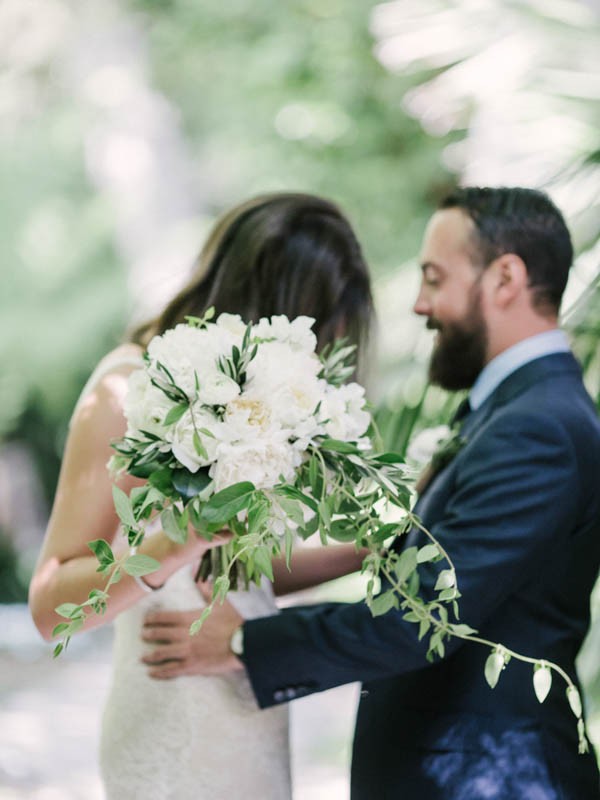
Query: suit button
<point>279,695</point>
<point>290,693</point>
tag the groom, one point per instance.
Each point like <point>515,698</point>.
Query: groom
<point>518,510</point>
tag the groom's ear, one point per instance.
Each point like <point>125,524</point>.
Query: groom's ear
<point>507,279</point>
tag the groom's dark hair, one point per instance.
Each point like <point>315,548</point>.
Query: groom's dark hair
<point>524,222</point>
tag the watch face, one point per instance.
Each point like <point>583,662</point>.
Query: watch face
<point>237,642</point>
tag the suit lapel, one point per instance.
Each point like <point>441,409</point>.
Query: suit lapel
<point>510,388</point>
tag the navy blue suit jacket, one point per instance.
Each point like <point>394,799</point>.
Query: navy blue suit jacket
<point>518,510</point>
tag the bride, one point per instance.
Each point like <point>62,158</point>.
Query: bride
<point>201,738</point>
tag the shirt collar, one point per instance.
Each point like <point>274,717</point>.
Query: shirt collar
<point>500,367</point>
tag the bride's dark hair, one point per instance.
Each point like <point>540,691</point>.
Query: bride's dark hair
<point>280,253</point>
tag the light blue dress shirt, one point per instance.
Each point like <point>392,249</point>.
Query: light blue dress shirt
<point>499,368</point>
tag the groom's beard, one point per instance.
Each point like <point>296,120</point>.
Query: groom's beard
<point>460,353</point>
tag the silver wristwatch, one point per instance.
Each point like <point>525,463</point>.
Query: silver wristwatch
<point>236,643</point>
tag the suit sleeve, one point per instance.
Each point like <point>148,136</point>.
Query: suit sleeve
<point>515,500</point>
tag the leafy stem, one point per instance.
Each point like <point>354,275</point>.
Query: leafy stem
<point>500,654</point>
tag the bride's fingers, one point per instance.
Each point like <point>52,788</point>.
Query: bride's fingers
<point>206,589</point>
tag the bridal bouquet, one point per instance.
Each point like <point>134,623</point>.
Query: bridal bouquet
<point>242,426</point>
<point>245,427</point>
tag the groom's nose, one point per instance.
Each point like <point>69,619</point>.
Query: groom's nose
<point>422,306</point>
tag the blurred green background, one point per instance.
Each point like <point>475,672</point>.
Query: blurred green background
<point>127,125</point>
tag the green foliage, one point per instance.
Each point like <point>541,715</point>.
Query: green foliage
<point>13,583</point>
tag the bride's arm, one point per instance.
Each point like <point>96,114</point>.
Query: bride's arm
<point>83,511</point>
<point>314,565</point>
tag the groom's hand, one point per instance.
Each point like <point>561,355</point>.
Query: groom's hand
<point>176,652</point>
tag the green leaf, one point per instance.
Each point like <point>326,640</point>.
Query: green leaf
<point>295,494</point>
<point>462,629</point>
<point>337,446</point>
<point>389,458</point>
<point>160,479</point>
<point>123,507</point>
<point>383,603</point>
<point>343,530</point>
<point>314,476</point>
<point>227,503</point>
<point>68,610</point>
<point>447,594</point>
<point>140,565</point>
<point>58,650</point>
<point>171,526</point>
<point>325,513</point>
<point>262,559</point>
<point>198,446</point>
<point>60,628</point>
<point>427,553</point>
<point>289,546</point>
<point>190,484</point>
<point>258,513</point>
<point>175,414</point>
<point>221,587</point>
<point>153,498</point>
<point>401,498</point>
<point>384,532</point>
<point>145,469</point>
<point>309,528</point>
<point>292,509</point>
<point>542,681</point>
<point>76,624</point>
<point>493,667</point>
<point>424,626</point>
<point>103,552</point>
<point>406,565</point>
<point>411,616</point>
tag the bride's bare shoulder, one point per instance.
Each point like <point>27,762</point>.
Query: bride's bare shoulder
<point>125,355</point>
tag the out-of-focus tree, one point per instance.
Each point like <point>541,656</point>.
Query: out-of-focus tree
<point>127,125</point>
<point>516,84</point>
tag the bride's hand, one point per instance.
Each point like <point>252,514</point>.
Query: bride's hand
<point>176,652</point>
<point>177,555</point>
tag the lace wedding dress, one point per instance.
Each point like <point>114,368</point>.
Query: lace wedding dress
<point>192,737</point>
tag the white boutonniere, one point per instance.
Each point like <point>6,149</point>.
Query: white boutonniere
<point>427,442</point>
<point>433,449</point>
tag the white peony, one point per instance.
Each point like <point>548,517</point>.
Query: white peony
<point>343,412</point>
<point>286,380</point>
<point>296,333</point>
<point>217,389</point>
<point>233,325</point>
<point>192,354</point>
<point>145,406</point>
<point>262,461</point>
<point>247,417</point>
